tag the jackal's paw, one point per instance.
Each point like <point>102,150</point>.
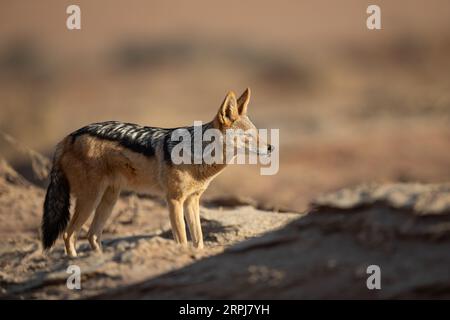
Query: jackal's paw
<point>199,246</point>
<point>95,243</point>
<point>70,251</point>
<point>98,250</point>
<point>72,254</point>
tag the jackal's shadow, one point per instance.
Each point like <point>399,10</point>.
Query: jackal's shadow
<point>211,229</point>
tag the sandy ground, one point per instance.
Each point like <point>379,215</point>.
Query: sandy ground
<point>138,243</point>
<point>401,229</point>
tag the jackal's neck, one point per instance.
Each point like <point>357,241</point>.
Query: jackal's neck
<point>206,171</point>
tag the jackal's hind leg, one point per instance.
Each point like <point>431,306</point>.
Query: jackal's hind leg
<point>85,205</point>
<point>102,213</point>
<point>193,220</point>
<point>177,220</point>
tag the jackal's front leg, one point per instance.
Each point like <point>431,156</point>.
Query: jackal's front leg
<point>177,220</point>
<point>193,220</point>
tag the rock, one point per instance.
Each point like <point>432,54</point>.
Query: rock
<point>20,203</point>
<point>419,198</point>
<point>30,163</point>
<point>9,176</point>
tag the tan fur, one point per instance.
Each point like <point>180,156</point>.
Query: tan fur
<point>97,170</point>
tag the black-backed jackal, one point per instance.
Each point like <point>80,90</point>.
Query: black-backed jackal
<point>96,162</point>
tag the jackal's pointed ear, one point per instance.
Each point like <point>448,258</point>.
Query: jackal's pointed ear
<point>228,111</point>
<point>243,101</point>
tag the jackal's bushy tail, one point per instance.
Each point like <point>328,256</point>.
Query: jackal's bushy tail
<point>56,206</point>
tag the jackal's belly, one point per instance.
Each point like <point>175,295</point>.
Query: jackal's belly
<point>140,174</point>
<point>146,183</point>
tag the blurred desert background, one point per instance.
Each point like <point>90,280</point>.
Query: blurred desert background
<point>353,106</point>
